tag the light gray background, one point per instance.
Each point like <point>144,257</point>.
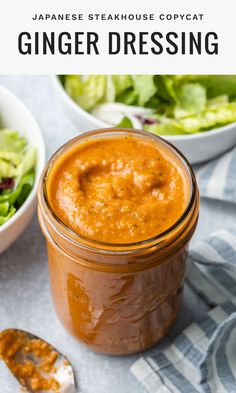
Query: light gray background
<point>25,300</point>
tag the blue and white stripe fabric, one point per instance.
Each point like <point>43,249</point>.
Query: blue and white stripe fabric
<point>202,359</point>
<point>217,179</point>
<point>211,268</point>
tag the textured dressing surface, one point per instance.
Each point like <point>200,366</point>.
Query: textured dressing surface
<point>117,189</point>
<point>24,283</point>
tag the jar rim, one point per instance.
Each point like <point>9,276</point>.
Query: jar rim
<point>96,245</point>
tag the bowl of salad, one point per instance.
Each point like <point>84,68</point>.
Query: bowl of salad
<point>197,113</point>
<point>22,158</point>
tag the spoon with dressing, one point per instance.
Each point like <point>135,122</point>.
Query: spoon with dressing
<point>36,364</point>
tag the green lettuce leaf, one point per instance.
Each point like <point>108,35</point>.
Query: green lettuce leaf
<point>216,85</point>
<point>125,123</point>
<point>27,163</point>
<point>15,158</point>
<point>110,92</point>
<point>165,88</point>
<point>11,141</point>
<point>9,156</point>
<point>17,162</point>
<point>128,97</point>
<point>122,83</point>
<point>144,87</point>
<point>192,100</point>
<point>7,169</point>
<point>209,118</point>
<point>4,208</point>
<point>19,194</point>
<point>218,101</point>
<point>4,219</point>
<point>165,126</point>
<point>25,186</point>
<point>86,90</point>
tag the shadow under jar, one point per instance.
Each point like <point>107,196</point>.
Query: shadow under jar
<point>118,298</point>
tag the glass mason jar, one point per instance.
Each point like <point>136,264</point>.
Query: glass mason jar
<point>118,298</point>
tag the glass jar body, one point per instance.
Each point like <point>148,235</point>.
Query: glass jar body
<point>116,313</point>
<point>118,299</point>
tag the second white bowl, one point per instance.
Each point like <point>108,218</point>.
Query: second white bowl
<point>15,116</point>
<point>197,148</point>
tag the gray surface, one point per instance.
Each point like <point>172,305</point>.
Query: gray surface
<point>25,300</point>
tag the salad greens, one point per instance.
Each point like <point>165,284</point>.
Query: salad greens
<point>162,104</point>
<point>17,174</point>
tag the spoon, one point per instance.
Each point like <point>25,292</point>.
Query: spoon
<point>36,364</point>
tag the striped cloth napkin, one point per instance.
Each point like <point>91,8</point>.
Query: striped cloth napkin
<point>203,357</point>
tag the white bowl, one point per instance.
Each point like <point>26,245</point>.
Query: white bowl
<point>197,148</point>
<point>14,115</point>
